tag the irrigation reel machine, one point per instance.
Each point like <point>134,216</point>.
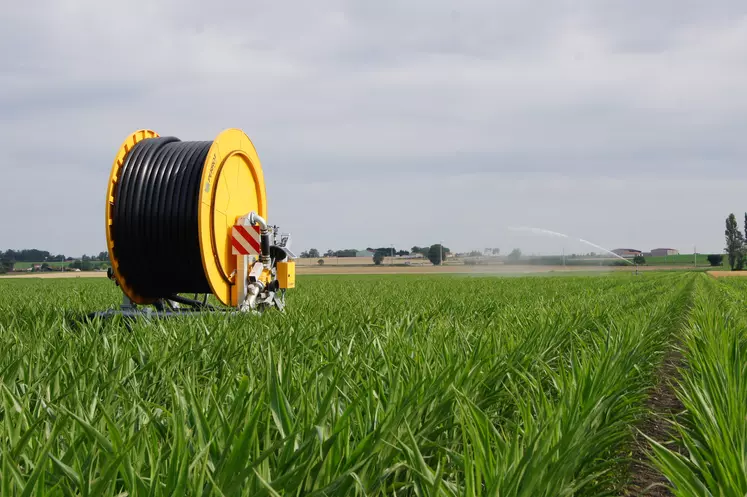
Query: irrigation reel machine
<point>189,217</point>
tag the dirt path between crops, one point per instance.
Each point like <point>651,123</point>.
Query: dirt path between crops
<point>662,405</point>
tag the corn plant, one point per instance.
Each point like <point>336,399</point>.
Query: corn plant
<point>713,390</point>
<point>386,385</point>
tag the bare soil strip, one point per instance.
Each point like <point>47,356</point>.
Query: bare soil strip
<point>663,405</point>
<point>57,274</point>
<point>726,274</point>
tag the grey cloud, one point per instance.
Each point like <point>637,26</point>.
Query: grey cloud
<point>365,93</point>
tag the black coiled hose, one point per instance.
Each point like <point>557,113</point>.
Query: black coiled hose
<point>154,220</point>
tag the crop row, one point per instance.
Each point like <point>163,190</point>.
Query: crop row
<point>367,386</point>
<point>711,456</point>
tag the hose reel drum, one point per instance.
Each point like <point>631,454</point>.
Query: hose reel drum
<point>189,217</point>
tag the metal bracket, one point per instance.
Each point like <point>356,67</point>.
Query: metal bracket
<point>127,304</point>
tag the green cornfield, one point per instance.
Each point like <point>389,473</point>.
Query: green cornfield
<point>378,386</point>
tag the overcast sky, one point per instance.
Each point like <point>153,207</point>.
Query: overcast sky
<point>377,123</point>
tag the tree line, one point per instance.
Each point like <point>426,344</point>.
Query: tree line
<point>435,253</point>
<point>10,257</point>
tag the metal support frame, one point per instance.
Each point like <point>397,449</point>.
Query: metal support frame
<point>162,308</point>
<point>242,262</point>
<point>253,295</point>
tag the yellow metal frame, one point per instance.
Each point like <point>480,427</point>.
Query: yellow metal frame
<point>232,185</point>
<point>127,145</point>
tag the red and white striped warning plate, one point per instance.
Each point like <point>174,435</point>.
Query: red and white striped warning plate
<point>245,240</point>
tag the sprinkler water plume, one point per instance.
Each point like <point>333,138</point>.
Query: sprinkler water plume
<point>543,231</point>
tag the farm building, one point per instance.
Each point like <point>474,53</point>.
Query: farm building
<point>626,252</point>
<point>664,251</point>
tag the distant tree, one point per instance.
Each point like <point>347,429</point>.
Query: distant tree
<point>475,253</point>
<point>26,255</point>
<point>734,242</point>
<point>85,258</point>
<point>496,251</point>
<point>437,254</point>
<point>381,253</point>
<point>402,252</point>
<point>715,259</point>
<point>313,253</point>
<point>515,255</point>
<point>639,259</point>
<point>329,253</point>
<point>6,264</point>
<point>320,262</point>
<point>44,266</point>
<point>103,256</point>
<point>346,253</point>
<point>420,250</point>
<point>82,265</point>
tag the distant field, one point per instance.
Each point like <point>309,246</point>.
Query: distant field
<point>26,265</point>
<point>671,260</point>
<point>686,259</point>
<point>52,264</point>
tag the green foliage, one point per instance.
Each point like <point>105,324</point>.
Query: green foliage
<point>639,259</point>
<point>341,253</point>
<point>734,242</point>
<point>437,254</point>
<point>310,254</point>
<point>716,259</point>
<point>83,265</point>
<point>515,255</point>
<point>420,250</point>
<point>414,385</point>
<point>28,255</point>
<point>713,391</point>
<point>378,257</point>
